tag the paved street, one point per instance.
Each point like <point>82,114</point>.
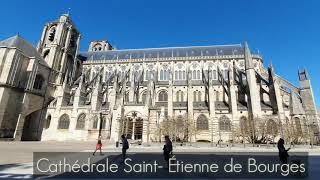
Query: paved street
<point>16,157</point>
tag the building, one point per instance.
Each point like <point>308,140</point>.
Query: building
<point>202,93</point>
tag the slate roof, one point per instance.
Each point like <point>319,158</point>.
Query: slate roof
<point>21,44</point>
<point>191,51</point>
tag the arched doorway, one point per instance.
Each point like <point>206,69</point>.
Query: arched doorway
<point>132,126</point>
<point>31,127</point>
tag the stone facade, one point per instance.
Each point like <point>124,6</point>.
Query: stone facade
<point>203,93</point>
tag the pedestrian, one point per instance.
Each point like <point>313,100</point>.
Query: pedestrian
<point>283,152</point>
<point>167,149</point>
<point>125,147</point>
<point>98,146</point>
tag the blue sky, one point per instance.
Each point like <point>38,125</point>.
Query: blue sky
<point>286,32</point>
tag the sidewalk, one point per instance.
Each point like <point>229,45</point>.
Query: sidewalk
<point>16,157</point>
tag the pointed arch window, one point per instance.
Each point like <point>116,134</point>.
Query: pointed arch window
<point>144,97</point>
<point>38,82</point>
<point>126,97</point>
<point>95,122</point>
<point>272,127</point>
<point>224,123</point>
<point>165,75</point>
<point>81,121</point>
<point>161,75</point>
<point>103,123</point>
<point>163,96</point>
<point>181,96</point>
<point>214,74</point>
<point>64,122</point>
<point>202,122</point>
<point>198,74</point>
<point>52,33</point>
<point>46,55</point>
<point>48,121</point>
<point>217,96</point>
<point>199,96</point>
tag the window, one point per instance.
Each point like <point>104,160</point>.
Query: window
<point>52,34</point>
<point>126,97</point>
<point>148,75</point>
<point>179,96</point>
<point>217,96</point>
<point>224,123</point>
<point>48,120</point>
<point>97,47</point>
<point>81,121</point>
<point>144,97</point>
<point>214,74</point>
<point>64,122</point>
<point>197,96</point>
<point>194,75</point>
<point>164,76</point>
<point>161,75</point>
<point>198,74</point>
<point>202,123</point>
<point>45,55</point>
<point>225,74</point>
<point>163,96</point>
<point>38,82</point>
<point>95,122</point>
<point>103,123</point>
<point>244,126</point>
<point>298,126</point>
<point>272,127</point>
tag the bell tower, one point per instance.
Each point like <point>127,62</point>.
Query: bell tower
<point>59,46</point>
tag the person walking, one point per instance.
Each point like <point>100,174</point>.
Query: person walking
<point>283,152</point>
<point>167,150</point>
<point>98,146</point>
<point>125,147</point>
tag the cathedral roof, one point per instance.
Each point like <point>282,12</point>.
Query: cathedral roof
<point>168,52</point>
<point>21,44</point>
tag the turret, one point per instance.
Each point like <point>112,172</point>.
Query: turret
<point>59,45</point>
<point>100,46</point>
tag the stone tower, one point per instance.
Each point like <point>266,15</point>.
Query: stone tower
<point>59,45</point>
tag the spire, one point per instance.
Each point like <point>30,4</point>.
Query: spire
<point>247,57</point>
<point>271,72</point>
<point>306,74</point>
